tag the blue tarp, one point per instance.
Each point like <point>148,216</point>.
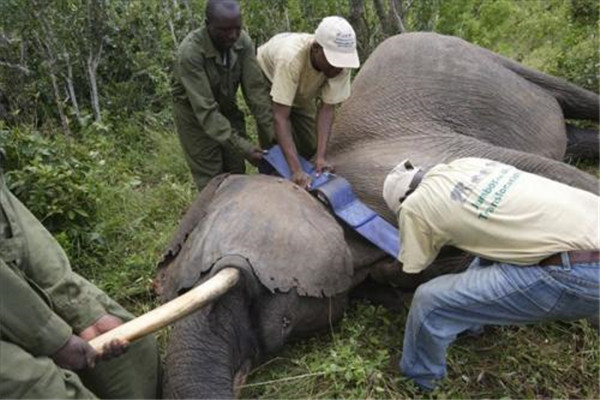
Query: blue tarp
<point>337,193</point>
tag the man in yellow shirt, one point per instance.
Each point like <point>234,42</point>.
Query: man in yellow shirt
<point>302,68</point>
<point>540,238</point>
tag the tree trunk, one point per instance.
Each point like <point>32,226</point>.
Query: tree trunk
<point>47,46</point>
<point>396,15</point>
<point>48,55</point>
<point>95,38</point>
<point>380,11</point>
<point>172,11</point>
<point>91,70</point>
<point>391,21</point>
<point>357,20</point>
<point>59,105</point>
<point>71,89</point>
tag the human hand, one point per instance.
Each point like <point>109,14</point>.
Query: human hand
<point>113,349</point>
<point>104,324</point>
<point>75,355</point>
<point>321,165</point>
<point>255,155</point>
<point>301,179</point>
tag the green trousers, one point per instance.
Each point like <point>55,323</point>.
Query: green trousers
<point>208,158</point>
<point>34,256</point>
<point>205,156</point>
<point>304,131</point>
<point>135,375</point>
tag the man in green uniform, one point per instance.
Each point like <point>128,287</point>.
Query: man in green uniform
<point>212,63</point>
<point>47,315</point>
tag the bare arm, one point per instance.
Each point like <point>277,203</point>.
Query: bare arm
<point>324,121</point>
<point>283,133</point>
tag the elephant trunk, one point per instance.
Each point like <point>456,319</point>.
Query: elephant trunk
<point>209,348</point>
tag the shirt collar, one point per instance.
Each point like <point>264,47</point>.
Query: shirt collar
<point>211,51</point>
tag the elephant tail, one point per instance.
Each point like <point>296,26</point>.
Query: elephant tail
<point>211,351</point>
<point>576,102</point>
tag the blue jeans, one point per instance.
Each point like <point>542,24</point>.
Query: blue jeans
<point>498,294</point>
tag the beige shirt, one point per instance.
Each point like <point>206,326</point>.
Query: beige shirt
<point>285,60</point>
<point>494,211</point>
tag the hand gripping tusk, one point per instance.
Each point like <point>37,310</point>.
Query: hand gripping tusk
<point>171,311</point>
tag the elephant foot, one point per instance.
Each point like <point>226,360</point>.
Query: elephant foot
<point>582,143</point>
<point>377,293</point>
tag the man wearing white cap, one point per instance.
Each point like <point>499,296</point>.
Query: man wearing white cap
<point>302,68</point>
<point>540,238</point>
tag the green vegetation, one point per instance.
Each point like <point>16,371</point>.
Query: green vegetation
<point>103,170</point>
<point>359,359</point>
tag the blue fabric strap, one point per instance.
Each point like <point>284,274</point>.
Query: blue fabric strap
<point>337,193</point>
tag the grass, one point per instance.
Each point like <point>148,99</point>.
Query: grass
<point>359,357</point>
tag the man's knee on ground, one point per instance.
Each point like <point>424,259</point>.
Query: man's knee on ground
<point>426,298</point>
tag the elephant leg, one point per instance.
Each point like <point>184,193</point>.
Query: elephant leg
<point>450,260</point>
<point>582,143</point>
<point>556,170</point>
<point>381,293</point>
<point>576,103</point>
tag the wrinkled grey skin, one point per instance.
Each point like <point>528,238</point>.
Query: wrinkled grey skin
<point>426,97</point>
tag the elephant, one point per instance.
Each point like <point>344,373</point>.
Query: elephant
<point>424,96</point>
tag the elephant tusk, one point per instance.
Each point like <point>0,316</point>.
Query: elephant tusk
<point>171,311</point>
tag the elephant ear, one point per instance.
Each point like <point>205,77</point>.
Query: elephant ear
<point>272,228</point>
<point>190,220</point>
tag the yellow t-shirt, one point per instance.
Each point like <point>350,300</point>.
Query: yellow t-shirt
<point>285,60</point>
<point>494,211</point>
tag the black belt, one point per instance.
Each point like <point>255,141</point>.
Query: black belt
<point>575,257</point>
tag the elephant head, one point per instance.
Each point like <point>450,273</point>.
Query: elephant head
<point>422,96</point>
<point>244,222</point>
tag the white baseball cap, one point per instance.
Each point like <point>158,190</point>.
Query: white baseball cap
<point>338,40</point>
<point>397,184</point>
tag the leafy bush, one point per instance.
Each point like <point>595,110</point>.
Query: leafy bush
<point>112,198</point>
<point>51,177</point>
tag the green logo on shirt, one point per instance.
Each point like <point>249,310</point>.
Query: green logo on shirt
<point>497,196</point>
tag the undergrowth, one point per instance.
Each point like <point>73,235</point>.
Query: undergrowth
<point>359,359</point>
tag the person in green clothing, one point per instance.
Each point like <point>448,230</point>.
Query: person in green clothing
<point>211,64</point>
<point>48,313</point>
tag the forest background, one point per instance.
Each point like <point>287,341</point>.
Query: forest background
<point>86,122</point>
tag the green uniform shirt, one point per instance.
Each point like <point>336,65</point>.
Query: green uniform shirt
<point>43,302</point>
<point>207,82</point>
<point>41,299</point>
